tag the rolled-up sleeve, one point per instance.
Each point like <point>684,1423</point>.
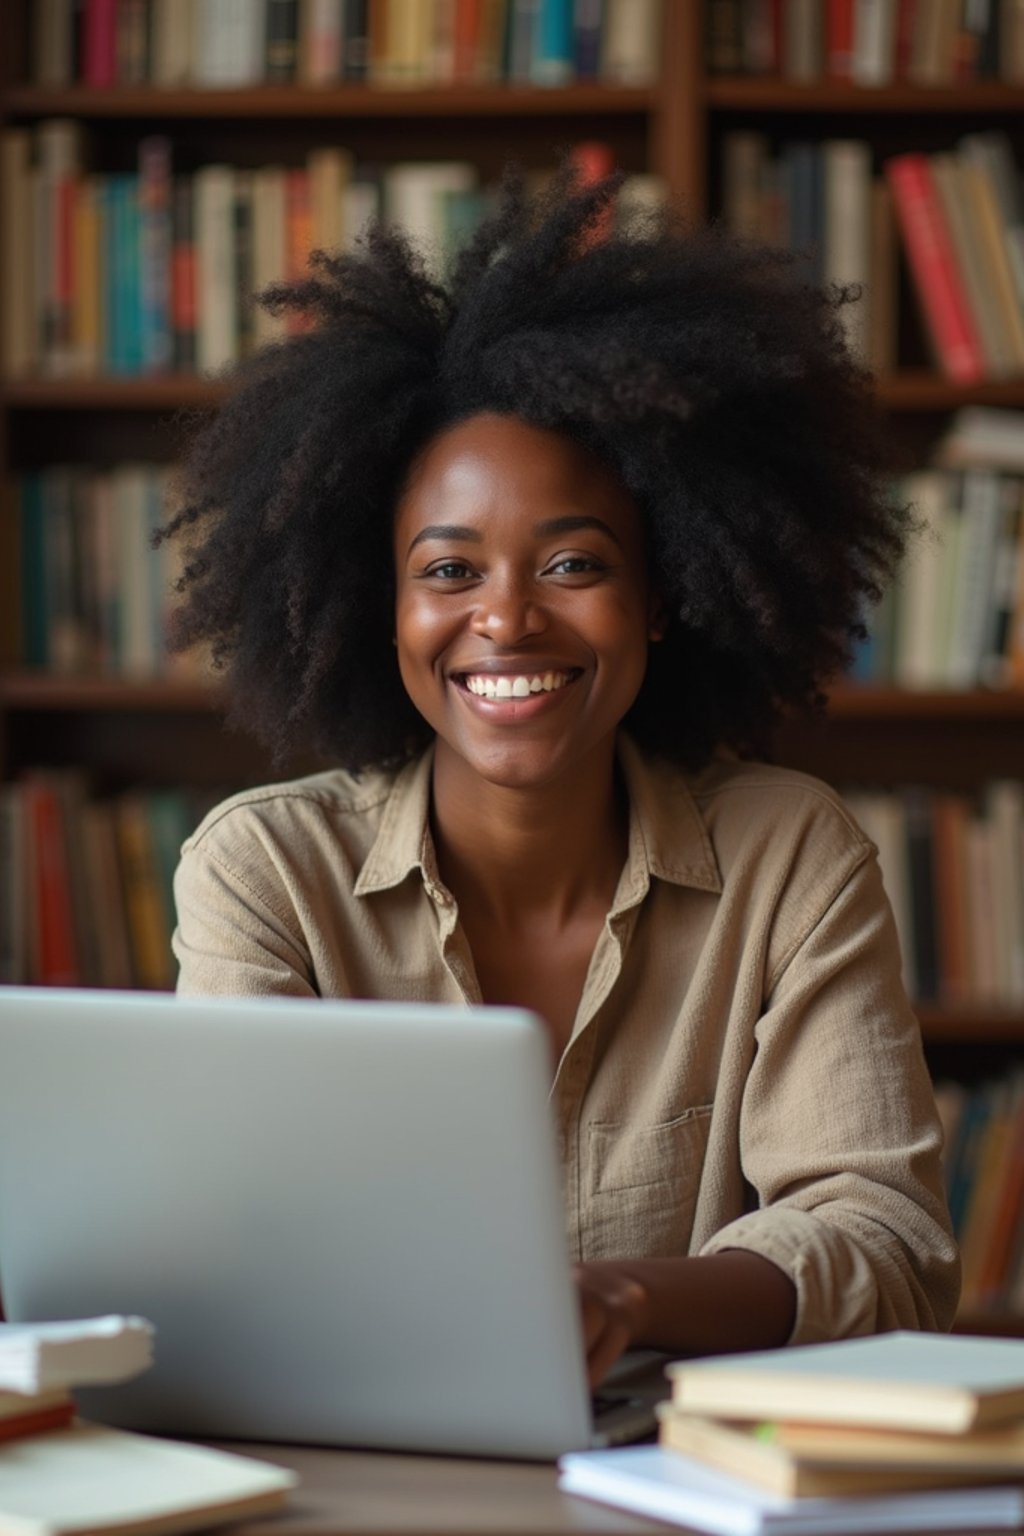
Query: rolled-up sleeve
<point>839,1137</point>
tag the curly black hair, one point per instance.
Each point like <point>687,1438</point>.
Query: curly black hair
<point>705,371</point>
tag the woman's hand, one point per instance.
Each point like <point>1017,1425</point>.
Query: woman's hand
<point>702,1305</point>
<point>614,1309</point>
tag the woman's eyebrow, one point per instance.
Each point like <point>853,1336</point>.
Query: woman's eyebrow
<point>444,531</point>
<point>572,524</point>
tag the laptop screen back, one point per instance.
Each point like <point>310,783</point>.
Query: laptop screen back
<point>343,1219</point>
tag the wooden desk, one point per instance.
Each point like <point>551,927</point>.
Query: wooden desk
<point>373,1493</point>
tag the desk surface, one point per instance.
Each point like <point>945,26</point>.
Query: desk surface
<point>368,1493</point>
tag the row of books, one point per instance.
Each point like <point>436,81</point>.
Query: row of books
<point>61,1475</point>
<point>958,218</point>
<point>955,616</point>
<point>953,869</point>
<point>901,1432</point>
<point>86,883</point>
<point>868,42</point>
<point>94,593</point>
<point>146,272</point>
<point>984,1165</point>
<point>237,43</point>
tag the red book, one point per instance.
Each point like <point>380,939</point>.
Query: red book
<point>466,39</point>
<point>839,39</point>
<point>933,266</point>
<point>55,950</point>
<point>37,1421</point>
<point>99,42</point>
<point>904,36</point>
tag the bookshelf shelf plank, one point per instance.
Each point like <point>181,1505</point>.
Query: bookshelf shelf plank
<point>44,691</point>
<point>855,702</point>
<point>913,390</point>
<point>131,392</point>
<point>355,101</point>
<point>920,390</point>
<point>1008,1325</point>
<point>980,1022</point>
<point>738,93</point>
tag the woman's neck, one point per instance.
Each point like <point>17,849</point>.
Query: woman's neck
<point>519,853</point>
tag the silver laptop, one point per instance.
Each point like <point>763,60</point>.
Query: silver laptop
<point>343,1219</point>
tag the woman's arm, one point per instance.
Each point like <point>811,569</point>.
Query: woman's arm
<point>724,1301</point>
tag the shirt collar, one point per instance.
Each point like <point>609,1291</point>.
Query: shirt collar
<point>667,835</point>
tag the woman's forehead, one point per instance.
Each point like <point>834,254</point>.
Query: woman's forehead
<point>504,460</point>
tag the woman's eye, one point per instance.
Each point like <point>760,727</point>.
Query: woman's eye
<point>575,565</point>
<point>450,570</point>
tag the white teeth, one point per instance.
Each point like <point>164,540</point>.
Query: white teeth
<point>487,687</point>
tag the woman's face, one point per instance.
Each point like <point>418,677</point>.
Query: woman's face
<point>523,609</point>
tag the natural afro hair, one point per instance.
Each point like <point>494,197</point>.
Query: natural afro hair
<point>705,371</point>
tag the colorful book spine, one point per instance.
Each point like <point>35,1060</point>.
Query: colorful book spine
<point>933,262</point>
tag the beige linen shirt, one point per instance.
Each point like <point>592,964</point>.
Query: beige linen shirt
<point>744,1070</point>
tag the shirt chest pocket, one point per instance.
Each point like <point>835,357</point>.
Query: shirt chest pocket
<point>641,1185</point>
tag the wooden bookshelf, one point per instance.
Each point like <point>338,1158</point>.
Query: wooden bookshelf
<point>127,731</point>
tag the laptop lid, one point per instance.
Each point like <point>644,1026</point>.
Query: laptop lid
<point>343,1218</point>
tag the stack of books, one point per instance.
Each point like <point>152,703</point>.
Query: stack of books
<point>904,1431</point>
<point>59,1474</point>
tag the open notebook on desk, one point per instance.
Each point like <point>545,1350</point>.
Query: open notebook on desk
<point>343,1219</point>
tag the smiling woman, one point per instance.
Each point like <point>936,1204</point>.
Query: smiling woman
<point>537,557</point>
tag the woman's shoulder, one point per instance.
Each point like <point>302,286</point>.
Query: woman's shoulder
<point>755,814</point>
<point>326,803</point>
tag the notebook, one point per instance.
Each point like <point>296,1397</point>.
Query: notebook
<point>343,1219</point>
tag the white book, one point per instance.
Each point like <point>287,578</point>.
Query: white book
<point>230,43</point>
<point>86,1479</point>
<point>631,41</point>
<point>873,60</point>
<point>361,207</point>
<point>412,199</point>
<point>217,302</point>
<point>670,1486</point>
<point>984,435</point>
<point>919,620</point>
<point>37,1357</point>
<point>269,247</point>
<point>846,254</point>
<point>974,578</point>
<point>946,1383</point>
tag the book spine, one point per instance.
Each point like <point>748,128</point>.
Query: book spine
<point>183,275</point>
<point>57,962</point>
<point>551,61</point>
<point>932,261</point>
<point>155,235</point>
<point>356,40</point>
<point>99,43</point>
<point>282,42</point>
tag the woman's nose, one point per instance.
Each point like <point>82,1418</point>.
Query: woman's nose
<point>509,613</point>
